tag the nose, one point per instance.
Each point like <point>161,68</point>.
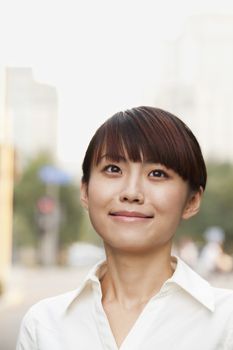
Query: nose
<point>132,193</point>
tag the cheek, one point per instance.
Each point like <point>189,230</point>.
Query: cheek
<point>170,199</point>
<point>99,199</point>
<point>98,196</point>
<point>102,191</point>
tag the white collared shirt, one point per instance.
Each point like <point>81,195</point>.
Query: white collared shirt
<point>186,314</point>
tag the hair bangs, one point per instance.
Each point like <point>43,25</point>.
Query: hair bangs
<point>138,141</point>
<point>119,138</point>
<point>147,134</point>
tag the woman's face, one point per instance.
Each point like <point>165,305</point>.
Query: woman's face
<point>136,206</point>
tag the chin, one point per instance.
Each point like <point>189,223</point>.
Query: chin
<point>128,247</point>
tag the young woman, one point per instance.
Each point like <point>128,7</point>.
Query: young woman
<point>143,173</point>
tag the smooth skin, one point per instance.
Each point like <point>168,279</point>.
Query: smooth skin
<point>136,208</point>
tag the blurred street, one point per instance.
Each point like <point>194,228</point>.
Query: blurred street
<point>30,285</point>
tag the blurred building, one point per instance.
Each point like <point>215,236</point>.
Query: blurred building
<point>28,124</point>
<point>32,109</point>
<point>197,81</point>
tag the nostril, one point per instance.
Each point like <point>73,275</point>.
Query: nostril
<point>129,199</point>
<point>132,197</point>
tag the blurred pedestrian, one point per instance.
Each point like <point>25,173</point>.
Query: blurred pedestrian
<point>188,251</point>
<point>212,257</point>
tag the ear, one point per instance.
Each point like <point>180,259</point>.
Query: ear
<point>84,195</point>
<point>193,204</point>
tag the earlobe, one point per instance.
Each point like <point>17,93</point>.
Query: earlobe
<point>84,195</point>
<point>193,205</point>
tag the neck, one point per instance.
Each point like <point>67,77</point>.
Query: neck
<point>133,279</point>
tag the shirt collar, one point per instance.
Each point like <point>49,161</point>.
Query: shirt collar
<point>92,277</point>
<point>192,283</point>
<point>183,276</point>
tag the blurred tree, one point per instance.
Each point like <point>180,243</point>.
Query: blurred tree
<point>28,190</point>
<point>217,205</point>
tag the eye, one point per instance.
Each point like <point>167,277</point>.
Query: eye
<point>112,169</point>
<point>158,173</point>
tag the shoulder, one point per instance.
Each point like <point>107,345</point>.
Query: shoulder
<point>46,313</point>
<point>51,308</point>
<point>223,297</point>
<point>224,309</point>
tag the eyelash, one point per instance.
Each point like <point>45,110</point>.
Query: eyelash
<point>106,168</point>
<point>162,173</point>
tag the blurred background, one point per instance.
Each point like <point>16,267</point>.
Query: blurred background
<point>64,68</point>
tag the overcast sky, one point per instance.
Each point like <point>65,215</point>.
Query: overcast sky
<point>102,55</point>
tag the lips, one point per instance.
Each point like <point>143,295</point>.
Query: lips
<point>131,214</point>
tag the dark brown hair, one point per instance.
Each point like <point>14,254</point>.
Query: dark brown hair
<point>151,134</point>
